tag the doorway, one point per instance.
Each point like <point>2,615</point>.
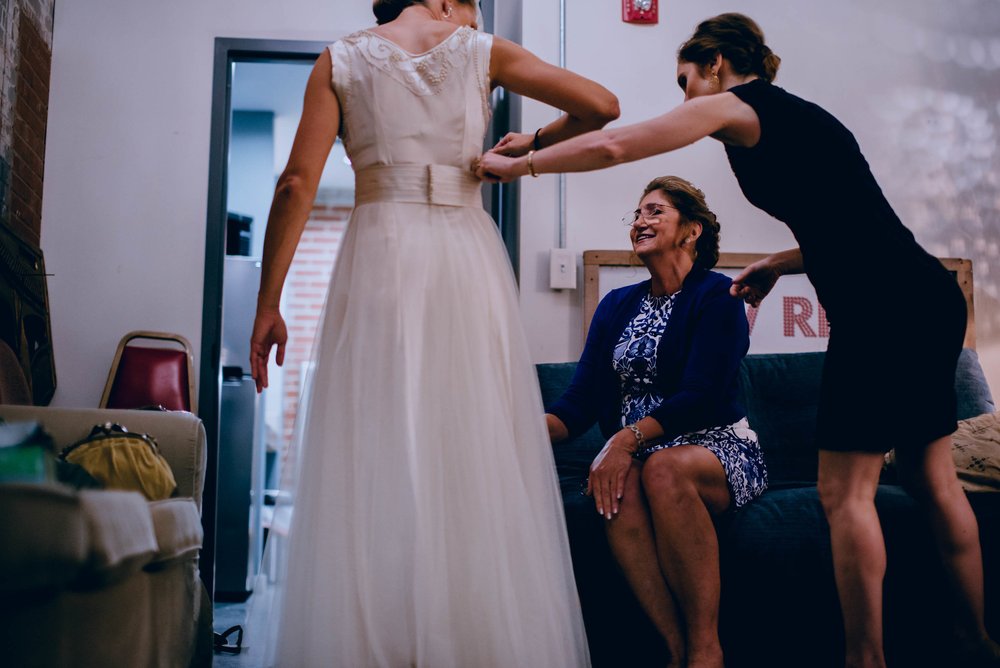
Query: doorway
<point>255,429</point>
<point>218,369</point>
<point>257,94</point>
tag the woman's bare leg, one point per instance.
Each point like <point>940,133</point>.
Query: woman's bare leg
<point>847,484</point>
<point>685,486</point>
<point>929,476</point>
<point>630,534</point>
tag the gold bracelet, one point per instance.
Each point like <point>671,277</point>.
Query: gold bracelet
<point>531,165</point>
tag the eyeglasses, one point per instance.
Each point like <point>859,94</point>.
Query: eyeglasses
<point>649,212</point>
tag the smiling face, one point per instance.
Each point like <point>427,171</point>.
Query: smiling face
<point>659,230</point>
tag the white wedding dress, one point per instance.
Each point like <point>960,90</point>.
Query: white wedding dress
<point>426,526</point>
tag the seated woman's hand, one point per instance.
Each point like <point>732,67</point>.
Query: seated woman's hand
<point>607,473</point>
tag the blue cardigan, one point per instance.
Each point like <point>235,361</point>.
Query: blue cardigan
<point>697,360</point>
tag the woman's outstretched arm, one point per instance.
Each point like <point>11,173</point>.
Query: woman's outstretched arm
<point>724,116</point>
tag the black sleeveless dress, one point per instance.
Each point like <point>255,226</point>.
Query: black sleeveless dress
<point>897,316</point>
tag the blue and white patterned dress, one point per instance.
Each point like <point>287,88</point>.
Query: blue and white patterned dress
<point>635,361</point>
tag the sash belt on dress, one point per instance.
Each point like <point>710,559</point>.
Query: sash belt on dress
<point>443,185</point>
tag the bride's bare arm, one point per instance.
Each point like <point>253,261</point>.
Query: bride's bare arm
<point>293,199</point>
<point>588,105</point>
<point>297,185</point>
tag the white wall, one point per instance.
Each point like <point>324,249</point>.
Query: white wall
<point>128,140</point>
<point>849,57</point>
<point>127,155</point>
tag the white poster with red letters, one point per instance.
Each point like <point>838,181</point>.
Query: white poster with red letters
<point>789,320</point>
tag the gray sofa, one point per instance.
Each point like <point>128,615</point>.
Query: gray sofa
<point>779,602</point>
<point>99,577</point>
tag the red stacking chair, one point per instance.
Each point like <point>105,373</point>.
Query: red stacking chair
<point>143,377</point>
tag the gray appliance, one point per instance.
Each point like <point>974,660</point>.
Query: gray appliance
<point>239,531</point>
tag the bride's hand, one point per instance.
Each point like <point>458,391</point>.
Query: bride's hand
<point>514,144</point>
<point>268,330</point>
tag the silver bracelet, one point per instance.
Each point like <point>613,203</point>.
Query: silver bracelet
<point>639,438</point>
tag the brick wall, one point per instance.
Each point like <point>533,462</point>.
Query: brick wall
<point>5,11</point>
<point>305,293</point>
<point>25,60</point>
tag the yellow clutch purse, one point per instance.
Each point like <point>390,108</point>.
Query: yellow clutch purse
<point>120,459</point>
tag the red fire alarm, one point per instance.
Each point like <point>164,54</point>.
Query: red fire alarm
<point>639,11</point>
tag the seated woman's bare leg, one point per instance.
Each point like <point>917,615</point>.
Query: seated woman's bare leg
<point>685,486</point>
<point>630,534</point>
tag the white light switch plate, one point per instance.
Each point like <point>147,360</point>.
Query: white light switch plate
<point>562,269</point>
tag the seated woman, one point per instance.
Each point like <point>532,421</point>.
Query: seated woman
<point>659,373</point>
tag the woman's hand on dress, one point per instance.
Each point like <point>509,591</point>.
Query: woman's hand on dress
<point>268,330</point>
<point>496,168</point>
<point>755,282</point>
<point>607,473</point>
<point>514,144</point>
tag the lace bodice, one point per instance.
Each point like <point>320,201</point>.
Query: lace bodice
<point>405,108</point>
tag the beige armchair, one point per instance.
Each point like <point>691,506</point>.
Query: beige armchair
<point>105,578</point>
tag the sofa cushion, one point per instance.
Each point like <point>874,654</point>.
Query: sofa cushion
<point>178,530</point>
<point>976,453</point>
<point>780,393</point>
<point>573,456</point>
<point>973,391</point>
<point>553,379</point>
<point>44,537</point>
<point>122,540</point>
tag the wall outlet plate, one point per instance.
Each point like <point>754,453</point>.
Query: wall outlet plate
<point>640,11</point>
<point>562,269</point>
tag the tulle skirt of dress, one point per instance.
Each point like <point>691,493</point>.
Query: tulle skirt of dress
<point>426,526</point>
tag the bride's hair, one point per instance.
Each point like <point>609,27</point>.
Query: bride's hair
<point>388,10</point>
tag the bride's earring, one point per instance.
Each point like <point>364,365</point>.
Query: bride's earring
<point>447,11</point>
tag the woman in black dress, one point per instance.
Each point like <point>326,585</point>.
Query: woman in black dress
<point>800,164</point>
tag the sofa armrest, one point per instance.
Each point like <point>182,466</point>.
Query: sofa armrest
<point>180,435</point>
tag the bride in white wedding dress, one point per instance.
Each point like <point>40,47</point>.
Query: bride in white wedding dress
<point>426,527</point>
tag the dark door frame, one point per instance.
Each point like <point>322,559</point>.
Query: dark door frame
<point>228,51</point>
<point>503,200</point>
<point>500,200</point>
